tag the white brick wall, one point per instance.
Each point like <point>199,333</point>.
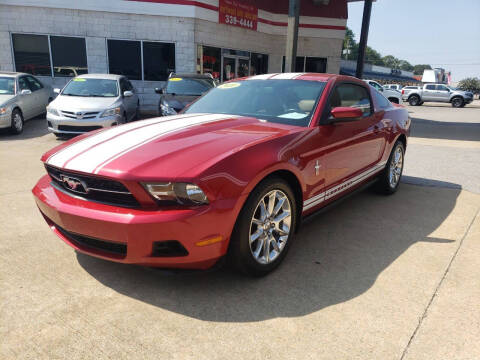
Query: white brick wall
<point>96,26</point>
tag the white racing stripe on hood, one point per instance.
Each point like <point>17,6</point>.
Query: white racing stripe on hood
<point>61,157</point>
<point>93,160</point>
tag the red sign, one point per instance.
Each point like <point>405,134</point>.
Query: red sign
<point>236,13</point>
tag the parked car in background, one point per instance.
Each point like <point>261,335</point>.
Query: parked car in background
<point>407,89</point>
<point>90,102</point>
<point>22,97</point>
<point>231,176</point>
<point>397,87</point>
<point>439,93</point>
<point>182,89</point>
<point>392,95</point>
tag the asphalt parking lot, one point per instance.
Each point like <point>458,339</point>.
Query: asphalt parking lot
<point>374,278</point>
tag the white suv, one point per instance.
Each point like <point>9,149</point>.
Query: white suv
<point>392,95</point>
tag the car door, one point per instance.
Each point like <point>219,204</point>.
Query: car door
<point>429,92</point>
<point>443,93</point>
<point>26,101</point>
<point>353,147</point>
<point>39,97</point>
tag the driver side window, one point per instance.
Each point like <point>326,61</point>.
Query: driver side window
<point>22,84</point>
<point>351,95</point>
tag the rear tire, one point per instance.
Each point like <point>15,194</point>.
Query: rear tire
<point>457,102</point>
<point>414,100</point>
<point>264,229</point>
<point>17,122</point>
<point>390,177</point>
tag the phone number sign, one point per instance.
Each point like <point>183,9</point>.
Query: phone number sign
<point>235,13</point>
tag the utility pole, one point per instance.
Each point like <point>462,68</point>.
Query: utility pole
<point>292,35</point>
<point>367,10</point>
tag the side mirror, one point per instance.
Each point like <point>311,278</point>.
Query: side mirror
<point>56,91</point>
<point>345,114</point>
<point>160,90</point>
<point>26,92</point>
<point>127,93</point>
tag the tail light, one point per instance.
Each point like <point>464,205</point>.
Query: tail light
<point>403,92</point>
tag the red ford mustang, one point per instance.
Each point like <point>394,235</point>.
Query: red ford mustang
<point>233,175</point>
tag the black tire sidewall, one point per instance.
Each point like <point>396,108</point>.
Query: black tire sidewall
<point>239,252</point>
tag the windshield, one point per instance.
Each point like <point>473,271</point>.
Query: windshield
<point>189,86</point>
<point>91,88</point>
<point>283,101</point>
<point>7,86</point>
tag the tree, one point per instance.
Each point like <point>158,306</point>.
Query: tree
<point>470,84</point>
<point>405,65</point>
<point>349,44</point>
<point>391,61</point>
<point>418,69</point>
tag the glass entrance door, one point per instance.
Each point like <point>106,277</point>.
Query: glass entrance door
<point>228,68</point>
<point>234,66</point>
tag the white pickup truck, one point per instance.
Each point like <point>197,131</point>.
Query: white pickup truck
<point>393,95</point>
<point>439,93</point>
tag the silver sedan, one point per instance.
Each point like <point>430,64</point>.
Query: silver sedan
<point>92,101</point>
<point>22,97</point>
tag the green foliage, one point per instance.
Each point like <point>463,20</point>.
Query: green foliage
<point>374,57</point>
<point>470,84</point>
<point>418,69</point>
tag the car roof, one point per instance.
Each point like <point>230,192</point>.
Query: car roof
<point>11,73</point>
<point>190,75</point>
<point>101,76</point>
<point>323,77</point>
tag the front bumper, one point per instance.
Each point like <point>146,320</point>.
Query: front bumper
<point>137,230</point>
<point>65,125</point>
<point>5,120</point>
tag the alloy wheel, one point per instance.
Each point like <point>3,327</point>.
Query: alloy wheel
<point>396,166</point>
<point>17,122</point>
<point>270,226</point>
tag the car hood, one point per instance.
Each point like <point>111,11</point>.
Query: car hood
<point>164,148</point>
<point>4,98</point>
<point>178,102</point>
<point>68,103</point>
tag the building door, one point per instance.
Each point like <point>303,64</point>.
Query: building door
<point>234,66</point>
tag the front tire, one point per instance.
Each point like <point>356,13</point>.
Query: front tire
<point>390,177</point>
<point>414,100</point>
<point>265,228</point>
<point>457,102</point>
<point>17,122</point>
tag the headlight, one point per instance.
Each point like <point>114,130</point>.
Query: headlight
<point>52,111</point>
<point>168,193</point>
<point>3,111</point>
<point>111,112</point>
<point>166,109</point>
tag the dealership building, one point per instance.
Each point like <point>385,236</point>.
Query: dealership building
<point>147,39</point>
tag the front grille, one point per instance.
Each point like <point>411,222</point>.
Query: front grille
<point>78,128</point>
<point>93,243</point>
<point>80,115</point>
<point>93,188</point>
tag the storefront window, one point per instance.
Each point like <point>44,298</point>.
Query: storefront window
<point>158,60</point>
<point>235,52</point>
<point>209,61</point>
<point>69,56</point>
<point>31,54</point>
<point>316,64</point>
<point>258,64</point>
<point>124,58</point>
<point>299,64</point>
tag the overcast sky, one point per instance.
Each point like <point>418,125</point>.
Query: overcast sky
<point>442,33</point>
